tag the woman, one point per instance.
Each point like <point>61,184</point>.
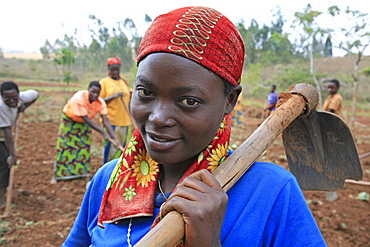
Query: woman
<point>74,135</point>
<point>189,69</point>
<point>116,94</point>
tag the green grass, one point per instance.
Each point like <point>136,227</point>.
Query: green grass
<point>44,114</point>
<point>31,80</point>
<point>4,227</point>
<point>363,114</point>
<point>258,103</point>
<point>45,110</point>
<point>53,89</point>
<point>363,108</point>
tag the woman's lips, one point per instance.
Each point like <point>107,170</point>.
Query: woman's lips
<point>161,143</point>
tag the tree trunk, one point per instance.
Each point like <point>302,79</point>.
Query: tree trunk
<point>312,73</point>
<point>355,91</point>
<point>354,105</point>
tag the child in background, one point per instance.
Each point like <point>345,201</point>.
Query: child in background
<point>333,102</point>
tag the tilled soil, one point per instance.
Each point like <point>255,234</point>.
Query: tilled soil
<point>42,214</point>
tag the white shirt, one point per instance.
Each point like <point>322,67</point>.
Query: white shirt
<point>8,115</point>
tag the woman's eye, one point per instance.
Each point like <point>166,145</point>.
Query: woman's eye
<point>145,92</point>
<point>190,102</point>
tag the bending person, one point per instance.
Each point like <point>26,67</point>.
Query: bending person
<point>182,102</point>
<point>74,135</point>
<point>12,102</point>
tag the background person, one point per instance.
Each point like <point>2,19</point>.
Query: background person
<point>237,114</point>
<point>333,102</point>
<point>182,103</point>
<point>272,99</point>
<point>12,102</point>
<point>116,94</point>
<point>74,135</point>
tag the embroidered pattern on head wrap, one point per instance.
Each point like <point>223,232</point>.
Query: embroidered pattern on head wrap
<point>193,31</point>
<point>200,34</point>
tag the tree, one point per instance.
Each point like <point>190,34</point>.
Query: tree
<point>277,46</point>
<point>64,58</point>
<point>46,50</point>
<point>266,44</point>
<point>311,30</point>
<point>105,42</point>
<point>356,39</point>
<point>250,40</point>
<point>112,43</point>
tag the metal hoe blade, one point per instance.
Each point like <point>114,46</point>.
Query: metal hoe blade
<point>321,152</point>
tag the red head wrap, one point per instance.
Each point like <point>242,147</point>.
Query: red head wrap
<point>113,60</point>
<point>201,34</point>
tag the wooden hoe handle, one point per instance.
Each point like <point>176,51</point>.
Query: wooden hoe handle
<point>300,100</point>
<point>9,193</point>
<point>9,190</point>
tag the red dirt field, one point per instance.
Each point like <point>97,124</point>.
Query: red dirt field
<point>42,214</point>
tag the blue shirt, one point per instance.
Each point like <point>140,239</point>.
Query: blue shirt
<point>272,98</point>
<point>266,207</point>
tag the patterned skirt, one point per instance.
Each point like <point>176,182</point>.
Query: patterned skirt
<point>237,118</point>
<point>72,149</point>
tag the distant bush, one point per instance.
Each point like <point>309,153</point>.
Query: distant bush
<point>365,71</point>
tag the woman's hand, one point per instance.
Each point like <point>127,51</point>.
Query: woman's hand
<point>106,136</point>
<point>11,160</point>
<point>202,202</point>
<point>117,144</point>
<point>22,108</point>
<point>117,95</point>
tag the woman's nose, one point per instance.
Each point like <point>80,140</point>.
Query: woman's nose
<point>162,116</point>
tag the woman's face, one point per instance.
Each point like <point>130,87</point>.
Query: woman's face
<point>11,97</point>
<point>114,70</point>
<point>93,93</point>
<point>178,106</point>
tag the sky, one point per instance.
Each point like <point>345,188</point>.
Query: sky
<point>25,25</point>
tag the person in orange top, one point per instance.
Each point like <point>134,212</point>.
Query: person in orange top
<point>74,135</point>
<point>116,94</point>
<point>333,102</point>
